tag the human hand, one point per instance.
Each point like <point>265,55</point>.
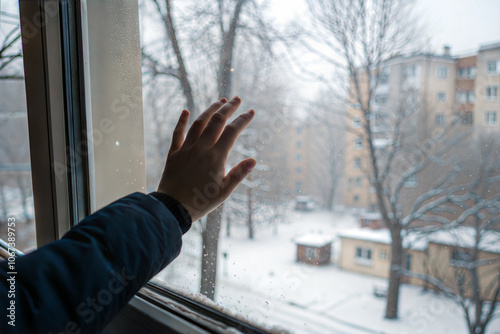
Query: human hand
<point>194,173</point>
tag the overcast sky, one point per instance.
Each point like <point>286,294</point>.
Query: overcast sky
<point>462,24</point>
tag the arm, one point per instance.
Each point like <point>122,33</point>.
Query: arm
<point>77,284</point>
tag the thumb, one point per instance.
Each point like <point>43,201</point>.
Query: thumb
<point>236,175</point>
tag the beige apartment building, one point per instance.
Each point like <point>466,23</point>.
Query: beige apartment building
<point>436,88</point>
<point>315,163</point>
<point>368,251</point>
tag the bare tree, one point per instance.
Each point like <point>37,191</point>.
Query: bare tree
<point>205,44</point>
<point>473,278</point>
<point>362,35</point>
<point>10,47</point>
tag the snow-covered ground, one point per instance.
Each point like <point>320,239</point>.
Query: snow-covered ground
<point>260,280</point>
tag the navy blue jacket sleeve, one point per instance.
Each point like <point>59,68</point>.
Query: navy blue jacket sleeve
<point>78,283</point>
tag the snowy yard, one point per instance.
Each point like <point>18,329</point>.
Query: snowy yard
<point>261,280</point>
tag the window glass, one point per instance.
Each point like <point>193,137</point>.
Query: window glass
<point>16,198</point>
<point>315,127</point>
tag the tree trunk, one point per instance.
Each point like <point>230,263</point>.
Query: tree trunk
<point>394,274</point>
<point>210,236</point>
<point>211,233</point>
<point>250,222</point>
<point>183,75</point>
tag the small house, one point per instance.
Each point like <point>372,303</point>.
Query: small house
<point>314,248</point>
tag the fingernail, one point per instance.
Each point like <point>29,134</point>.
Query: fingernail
<point>223,100</point>
<point>251,111</point>
<point>185,112</point>
<point>250,165</point>
<point>237,98</point>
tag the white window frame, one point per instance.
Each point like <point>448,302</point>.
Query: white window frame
<point>490,118</point>
<point>357,163</point>
<point>491,92</point>
<point>442,72</point>
<point>492,70</point>
<point>366,258</point>
<point>441,96</point>
<point>356,122</point>
<point>358,143</point>
<point>440,119</point>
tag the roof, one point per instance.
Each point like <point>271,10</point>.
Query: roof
<point>490,46</point>
<point>463,236</point>
<point>314,240</point>
<point>370,215</point>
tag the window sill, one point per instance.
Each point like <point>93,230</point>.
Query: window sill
<point>156,309</point>
<point>364,262</point>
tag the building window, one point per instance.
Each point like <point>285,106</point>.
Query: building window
<point>491,92</point>
<point>491,67</point>
<point>363,256</point>
<point>383,79</point>
<point>358,182</point>
<point>468,118</point>
<point>381,99</point>
<point>457,257</point>
<point>299,144</point>
<point>442,72</point>
<point>358,143</point>
<point>299,130</point>
<point>357,163</point>
<point>490,118</point>
<point>441,97</point>
<point>298,170</point>
<point>356,198</point>
<point>373,207</point>
<point>298,157</point>
<point>465,96</point>
<point>467,72</point>
<point>356,122</point>
<point>440,119</point>
<point>410,71</point>
<point>350,182</point>
<point>412,181</point>
<point>311,253</point>
<point>298,187</point>
<point>384,255</point>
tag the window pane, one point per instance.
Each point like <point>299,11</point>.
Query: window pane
<point>16,198</point>
<point>332,143</point>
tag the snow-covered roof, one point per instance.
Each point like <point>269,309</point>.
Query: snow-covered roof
<point>370,215</point>
<point>382,236</point>
<point>463,236</point>
<point>314,240</point>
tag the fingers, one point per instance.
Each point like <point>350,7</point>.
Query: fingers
<point>232,131</point>
<point>236,175</point>
<point>180,129</point>
<point>201,122</point>
<point>218,120</point>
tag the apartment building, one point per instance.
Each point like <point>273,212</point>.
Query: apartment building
<point>316,160</point>
<point>437,88</point>
<point>487,83</point>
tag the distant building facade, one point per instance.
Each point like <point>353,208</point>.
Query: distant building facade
<point>438,88</point>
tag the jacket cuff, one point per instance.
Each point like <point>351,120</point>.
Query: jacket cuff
<point>177,209</point>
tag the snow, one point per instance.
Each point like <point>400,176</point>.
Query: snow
<point>465,236</point>
<point>383,236</point>
<point>381,142</point>
<point>314,240</point>
<point>261,282</point>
